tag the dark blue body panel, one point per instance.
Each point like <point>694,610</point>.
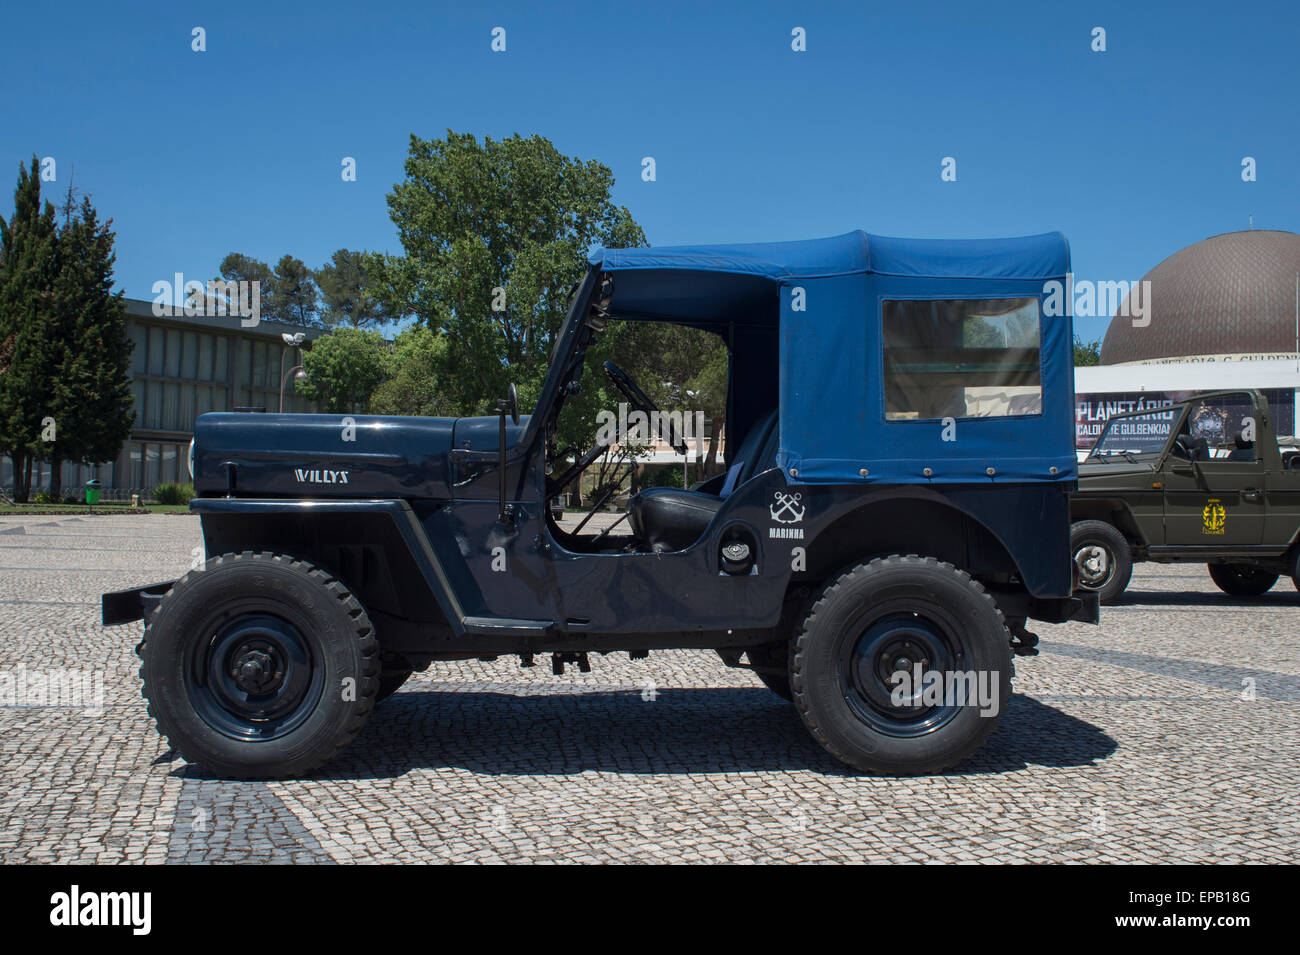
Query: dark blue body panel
<point>407,511</point>
<point>343,456</point>
<point>500,589</point>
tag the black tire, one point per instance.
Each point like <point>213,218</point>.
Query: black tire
<point>778,684</point>
<point>390,681</point>
<point>1104,559</point>
<point>772,666</point>
<point>259,666</point>
<point>1242,580</point>
<point>875,620</point>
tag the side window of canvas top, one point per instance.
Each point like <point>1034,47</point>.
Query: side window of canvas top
<point>961,358</point>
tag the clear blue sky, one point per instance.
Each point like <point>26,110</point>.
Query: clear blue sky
<point>1132,153</point>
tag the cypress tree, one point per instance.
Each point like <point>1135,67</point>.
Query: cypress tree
<point>92,390</point>
<point>29,351</point>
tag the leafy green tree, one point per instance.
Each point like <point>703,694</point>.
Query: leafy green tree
<point>294,296</point>
<point>29,347</point>
<point>707,391</point>
<point>679,369</point>
<point>90,394</point>
<point>237,267</point>
<point>979,332</point>
<point>1086,353</point>
<point>417,365</point>
<point>495,236</point>
<point>344,367</point>
<point>347,291</point>
<point>287,293</point>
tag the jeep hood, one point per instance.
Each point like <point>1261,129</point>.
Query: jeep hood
<point>333,456</point>
<point>1116,468</point>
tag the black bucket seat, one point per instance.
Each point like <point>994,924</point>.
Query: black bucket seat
<point>669,518</point>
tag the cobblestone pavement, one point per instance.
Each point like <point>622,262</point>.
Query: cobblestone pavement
<point>1126,742</point>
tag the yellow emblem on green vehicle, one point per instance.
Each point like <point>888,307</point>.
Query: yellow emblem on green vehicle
<point>1215,516</point>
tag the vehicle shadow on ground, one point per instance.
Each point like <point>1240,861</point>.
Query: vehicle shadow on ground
<point>681,731</point>
<point>1283,594</point>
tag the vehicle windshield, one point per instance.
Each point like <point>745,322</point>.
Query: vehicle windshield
<point>1135,437</point>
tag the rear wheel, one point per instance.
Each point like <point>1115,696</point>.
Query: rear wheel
<point>902,666</point>
<point>259,666</point>
<point>1242,580</point>
<point>1103,557</point>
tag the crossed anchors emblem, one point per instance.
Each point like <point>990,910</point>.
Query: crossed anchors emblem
<point>786,508</point>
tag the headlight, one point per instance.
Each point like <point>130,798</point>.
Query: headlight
<point>190,462</point>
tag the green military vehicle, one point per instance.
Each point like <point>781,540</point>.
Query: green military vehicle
<point>1203,480</point>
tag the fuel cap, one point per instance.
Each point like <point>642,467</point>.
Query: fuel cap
<point>736,551</point>
<point>735,557</point>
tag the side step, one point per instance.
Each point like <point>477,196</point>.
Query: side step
<point>500,626</point>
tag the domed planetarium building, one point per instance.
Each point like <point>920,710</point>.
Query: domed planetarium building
<point>1223,313</point>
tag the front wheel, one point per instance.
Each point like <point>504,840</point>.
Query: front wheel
<point>1103,558</point>
<point>902,666</point>
<point>259,666</point>
<point>1241,580</point>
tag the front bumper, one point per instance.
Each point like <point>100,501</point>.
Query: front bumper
<point>124,606</point>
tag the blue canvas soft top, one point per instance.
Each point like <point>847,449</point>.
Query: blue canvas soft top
<point>812,309</point>
<point>1042,256</point>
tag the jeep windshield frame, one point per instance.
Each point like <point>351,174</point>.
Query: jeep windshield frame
<point>1124,437</point>
<point>567,356</point>
<point>747,323</point>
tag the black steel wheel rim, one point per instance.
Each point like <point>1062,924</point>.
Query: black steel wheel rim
<point>901,641</point>
<point>256,677</point>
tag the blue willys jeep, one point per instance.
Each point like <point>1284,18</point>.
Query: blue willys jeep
<point>895,508</point>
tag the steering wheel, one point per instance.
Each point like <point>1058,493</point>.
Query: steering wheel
<point>637,398</point>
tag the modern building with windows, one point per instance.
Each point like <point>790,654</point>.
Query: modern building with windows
<point>182,367</point>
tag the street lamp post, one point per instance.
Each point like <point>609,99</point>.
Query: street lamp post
<point>293,341</point>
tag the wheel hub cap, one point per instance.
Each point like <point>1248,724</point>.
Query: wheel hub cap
<point>1094,564</point>
<point>256,677</point>
<point>887,668</point>
<point>255,670</point>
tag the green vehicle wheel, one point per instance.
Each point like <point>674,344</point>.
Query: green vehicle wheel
<point>1103,558</point>
<point>1241,580</point>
